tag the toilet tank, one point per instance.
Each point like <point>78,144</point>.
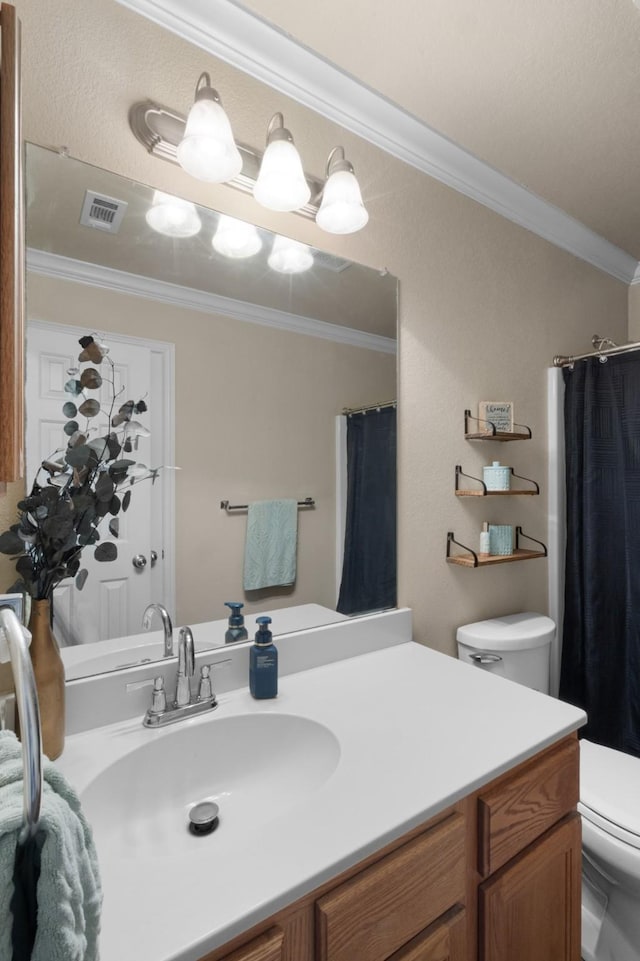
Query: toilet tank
<point>517,646</point>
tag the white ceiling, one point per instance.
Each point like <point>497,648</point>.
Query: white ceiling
<point>546,93</point>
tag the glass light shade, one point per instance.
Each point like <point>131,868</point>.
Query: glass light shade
<point>289,256</point>
<point>341,210</point>
<point>173,216</point>
<point>281,183</point>
<point>236,238</point>
<point>208,151</point>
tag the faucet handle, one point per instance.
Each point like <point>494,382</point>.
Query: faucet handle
<point>158,707</point>
<point>158,696</point>
<point>205,691</point>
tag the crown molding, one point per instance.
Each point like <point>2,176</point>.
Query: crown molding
<point>636,276</point>
<point>67,268</point>
<point>240,38</point>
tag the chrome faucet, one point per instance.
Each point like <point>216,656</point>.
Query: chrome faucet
<point>167,626</point>
<point>186,666</point>
<point>185,704</point>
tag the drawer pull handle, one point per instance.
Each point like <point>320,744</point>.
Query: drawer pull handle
<point>484,657</point>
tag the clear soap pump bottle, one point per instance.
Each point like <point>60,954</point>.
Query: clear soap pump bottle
<point>263,662</point>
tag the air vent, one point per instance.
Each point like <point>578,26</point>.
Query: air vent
<point>105,213</point>
<point>322,259</point>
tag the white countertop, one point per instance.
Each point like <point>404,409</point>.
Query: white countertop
<point>417,732</point>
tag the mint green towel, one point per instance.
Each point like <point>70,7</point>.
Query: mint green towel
<point>69,894</point>
<point>271,544</point>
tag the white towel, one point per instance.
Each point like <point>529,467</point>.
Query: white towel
<point>271,544</point>
<point>69,894</point>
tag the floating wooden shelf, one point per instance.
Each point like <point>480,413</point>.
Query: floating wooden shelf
<point>483,492</point>
<point>490,433</point>
<point>485,560</point>
<point>471,558</point>
<point>497,436</point>
<point>460,493</point>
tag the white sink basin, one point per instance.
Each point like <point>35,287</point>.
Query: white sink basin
<point>254,766</point>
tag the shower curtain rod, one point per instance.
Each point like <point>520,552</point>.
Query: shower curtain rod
<point>363,410</point>
<point>600,351</point>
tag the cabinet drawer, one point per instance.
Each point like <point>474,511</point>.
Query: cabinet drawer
<point>522,807</point>
<point>266,947</point>
<point>378,911</point>
<point>443,941</point>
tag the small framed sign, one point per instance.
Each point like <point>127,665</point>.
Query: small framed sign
<point>496,412</point>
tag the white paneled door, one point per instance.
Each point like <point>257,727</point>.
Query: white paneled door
<point>115,593</point>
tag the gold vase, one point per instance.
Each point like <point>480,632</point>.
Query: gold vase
<point>48,671</point>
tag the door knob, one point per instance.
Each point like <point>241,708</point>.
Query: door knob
<point>139,562</point>
<point>154,558</point>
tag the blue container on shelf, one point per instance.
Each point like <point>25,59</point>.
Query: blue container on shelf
<point>500,539</point>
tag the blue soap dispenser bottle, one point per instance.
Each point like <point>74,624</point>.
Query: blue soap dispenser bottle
<point>236,630</point>
<point>263,662</point>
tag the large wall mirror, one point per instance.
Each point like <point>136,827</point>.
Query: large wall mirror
<point>247,371</point>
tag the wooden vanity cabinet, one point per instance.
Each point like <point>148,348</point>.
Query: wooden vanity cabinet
<point>495,878</point>
<point>266,947</point>
<point>530,910</point>
<point>404,903</point>
<point>444,940</point>
<point>529,853</point>
<point>374,914</point>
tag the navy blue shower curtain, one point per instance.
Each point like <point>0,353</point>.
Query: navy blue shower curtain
<point>601,643</point>
<point>369,566</point>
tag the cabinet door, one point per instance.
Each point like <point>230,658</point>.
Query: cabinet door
<point>443,941</point>
<point>266,947</point>
<point>530,909</point>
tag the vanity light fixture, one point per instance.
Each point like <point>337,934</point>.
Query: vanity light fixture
<point>165,134</point>
<point>281,183</point>
<point>289,256</point>
<point>342,210</point>
<point>235,238</point>
<point>207,150</point>
<point>173,216</point>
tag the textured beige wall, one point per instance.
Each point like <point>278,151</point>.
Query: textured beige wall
<point>484,305</point>
<point>255,419</point>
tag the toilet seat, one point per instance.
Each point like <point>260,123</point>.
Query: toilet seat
<point>609,827</point>
<point>610,791</point>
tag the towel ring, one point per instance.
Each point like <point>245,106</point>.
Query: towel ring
<point>27,701</point>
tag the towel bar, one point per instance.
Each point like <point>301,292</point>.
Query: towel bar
<point>29,709</point>
<point>226,506</point>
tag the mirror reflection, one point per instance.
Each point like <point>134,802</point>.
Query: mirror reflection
<point>248,364</point>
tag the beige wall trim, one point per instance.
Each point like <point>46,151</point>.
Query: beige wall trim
<point>245,41</point>
<point>67,268</point>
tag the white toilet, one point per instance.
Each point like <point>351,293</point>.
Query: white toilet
<point>610,809</point>
<point>518,647</point>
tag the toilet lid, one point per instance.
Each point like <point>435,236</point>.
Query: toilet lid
<point>514,632</point>
<point>610,791</point>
